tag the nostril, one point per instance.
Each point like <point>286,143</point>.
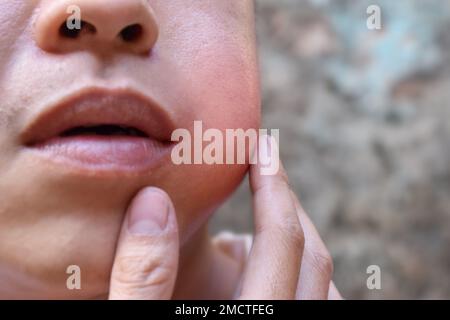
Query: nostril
<point>132,33</point>
<point>73,33</point>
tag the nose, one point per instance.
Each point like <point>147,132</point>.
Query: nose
<point>106,26</point>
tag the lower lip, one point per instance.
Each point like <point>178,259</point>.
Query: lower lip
<point>106,153</point>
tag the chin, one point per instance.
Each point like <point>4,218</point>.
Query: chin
<point>52,220</point>
<point>56,217</point>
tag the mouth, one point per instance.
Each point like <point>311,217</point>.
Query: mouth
<point>97,129</point>
<point>106,130</point>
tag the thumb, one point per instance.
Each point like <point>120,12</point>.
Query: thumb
<point>146,262</point>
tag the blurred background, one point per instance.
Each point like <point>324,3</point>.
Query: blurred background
<point>365,136</point>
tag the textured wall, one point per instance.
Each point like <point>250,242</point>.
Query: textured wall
<point>365,135</point>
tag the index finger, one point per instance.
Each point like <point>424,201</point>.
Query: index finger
<point>273,267</point>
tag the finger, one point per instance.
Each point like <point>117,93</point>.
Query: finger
<point>317,266</point>
<point>274,262</point>
<point>146,261</point>
<point>333,292</point>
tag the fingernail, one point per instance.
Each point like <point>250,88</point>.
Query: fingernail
<point>149,212</point>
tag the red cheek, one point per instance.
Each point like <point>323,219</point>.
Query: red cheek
<point>228,90</point>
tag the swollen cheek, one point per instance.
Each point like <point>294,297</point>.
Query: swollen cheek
<point>232,99</point>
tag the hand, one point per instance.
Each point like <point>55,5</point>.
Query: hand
<point>288,260</point>
<point>146,262</point>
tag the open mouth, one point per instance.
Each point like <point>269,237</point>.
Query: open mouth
<point>104,130</point>
<point>110,130</point>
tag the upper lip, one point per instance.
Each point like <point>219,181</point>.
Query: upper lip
<point>98,106</point>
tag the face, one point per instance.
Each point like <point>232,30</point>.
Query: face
<point>86,117</point>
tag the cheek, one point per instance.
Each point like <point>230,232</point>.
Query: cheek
<point>223,94</point>
<point>228,90</point>
<point>221,82</point>
<point>215,69</point>
<point>217,76</point>
<point>14,19</point>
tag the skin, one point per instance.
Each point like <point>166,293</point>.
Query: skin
<point>288,260</point>
<point>53,216</point>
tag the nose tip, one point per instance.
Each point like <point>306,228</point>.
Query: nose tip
<point>99,25</point>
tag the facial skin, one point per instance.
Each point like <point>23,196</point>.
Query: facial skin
<point>197,60</point>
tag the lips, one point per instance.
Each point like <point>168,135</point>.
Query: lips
<point>102,129</point>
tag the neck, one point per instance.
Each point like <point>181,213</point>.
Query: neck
<point>205,272</point>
